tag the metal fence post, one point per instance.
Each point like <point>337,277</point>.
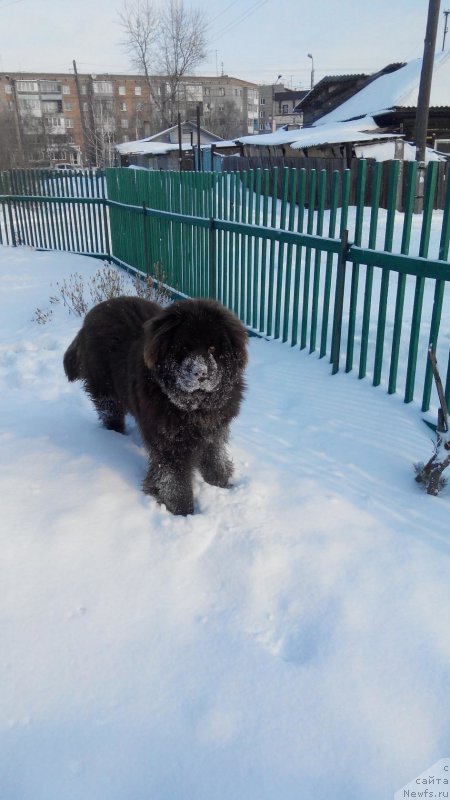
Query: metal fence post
<point>339,303</point>
<point>11,224</point>
<point>212,289</point>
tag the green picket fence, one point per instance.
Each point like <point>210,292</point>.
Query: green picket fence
<point>60,209</point>
<point>366,286</point>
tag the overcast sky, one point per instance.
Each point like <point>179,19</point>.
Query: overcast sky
<point>256,40</point>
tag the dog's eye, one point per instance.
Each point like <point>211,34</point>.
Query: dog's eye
<point>211,349</point>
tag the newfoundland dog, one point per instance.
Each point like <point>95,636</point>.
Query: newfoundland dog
<point>179,372</point>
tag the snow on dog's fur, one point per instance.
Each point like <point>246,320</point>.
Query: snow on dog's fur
<point>179,372</point>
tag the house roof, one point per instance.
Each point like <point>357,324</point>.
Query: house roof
<point>363,129</point>
<point>369,140</point>
<point>163,136</point>
<point>280,136</point>
<point>152,147</point>
<point>161,143</point>
<point>340,82</point>
<point>396,89</point>
<point>149,147</point>
<point>291,94</point>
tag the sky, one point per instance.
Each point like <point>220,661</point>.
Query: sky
<point>256,40</point>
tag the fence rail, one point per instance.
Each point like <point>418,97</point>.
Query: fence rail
<point>368,287</point>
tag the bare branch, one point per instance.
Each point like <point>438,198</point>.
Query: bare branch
<point>170,42</point>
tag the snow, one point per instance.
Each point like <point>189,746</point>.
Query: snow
<point>289,640</point>
<point>144,146</point>
<point>280,136</point>
<point>385,151</point>
<point>364,129</point>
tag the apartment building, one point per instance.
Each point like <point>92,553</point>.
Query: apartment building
<point>78,119</point>
<point>276,107</point>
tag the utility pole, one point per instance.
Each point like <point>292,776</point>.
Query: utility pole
<point>82,117</point>
<point>423,101</point>
<point>18,120</point>
<point>426,76</point>
<point>446,13</point>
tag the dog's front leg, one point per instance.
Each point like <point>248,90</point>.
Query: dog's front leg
<point>215,465</point>
<point>170,482</point>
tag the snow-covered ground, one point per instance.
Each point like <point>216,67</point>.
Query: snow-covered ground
<point>287,642</point>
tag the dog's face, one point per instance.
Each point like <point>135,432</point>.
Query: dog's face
<point>197,351</point>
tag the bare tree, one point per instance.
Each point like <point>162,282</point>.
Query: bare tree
<point>224,119</point>
<point>169,43</point>
<point>9,141</point>
<point>101,134</point>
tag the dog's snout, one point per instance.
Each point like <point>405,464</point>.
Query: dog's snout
<point>199,370</point>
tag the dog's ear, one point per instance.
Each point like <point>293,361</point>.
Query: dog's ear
<point>238,337</point>
<point>151,342</point>
<point>157,337</point>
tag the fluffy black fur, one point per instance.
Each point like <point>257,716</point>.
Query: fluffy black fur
<point>179,372</point>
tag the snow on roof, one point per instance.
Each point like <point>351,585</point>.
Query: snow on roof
<point>398,89</point>
<point>186,123</point>
<point>271,139</point>
<point>149,148</point>
<point>362,130</point>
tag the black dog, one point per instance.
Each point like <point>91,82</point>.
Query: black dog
<point>178,371</point>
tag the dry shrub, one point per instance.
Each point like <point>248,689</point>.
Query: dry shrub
<point>79,294</point>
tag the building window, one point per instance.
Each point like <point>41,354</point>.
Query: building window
<point>103,87</point>
<point>50,106</point>
<point>124,123</point>
<point>27,86</point>
<point>54,122</point>
<point>50,87</point>
<point>69,123</point>
<point>67,106</point>
<point>66,89</point>
<point>194,92</point>
<point>206,91</point>
<point>285,108</point>
<point>262,113</point>
<point>30,105</point>
<point>84,89</point>
<point>8,88</point>
<point>122,90</point>
<point>138,106</point>
<point>138,91</point>
<point>123,106</point>
<point>262,101</point>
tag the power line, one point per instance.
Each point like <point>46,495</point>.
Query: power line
<point>13,3</point>
<point>224,10</point>
<point>243,16</point>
